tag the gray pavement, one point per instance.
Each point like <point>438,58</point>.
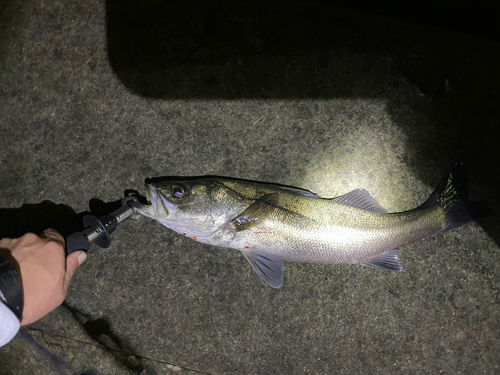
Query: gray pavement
<point>96,96</point>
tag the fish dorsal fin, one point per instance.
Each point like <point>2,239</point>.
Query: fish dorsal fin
<point>269,267</point>
<point>361,198</point>
<point>388,261</point>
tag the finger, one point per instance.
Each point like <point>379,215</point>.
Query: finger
<point>73,261</point>
<point>53,235</point>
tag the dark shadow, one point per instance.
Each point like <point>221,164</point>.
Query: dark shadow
<point>240,49</point>
<point>100,331</point>
<point>478,18</point>
<point>258,49</point>
<point>35,218</point>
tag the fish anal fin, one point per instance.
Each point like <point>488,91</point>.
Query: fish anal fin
<point>269,267</point>
<point>361,198</point>
<point>388,261</point>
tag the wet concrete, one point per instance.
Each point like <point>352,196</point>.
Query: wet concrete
<point>96,96</point>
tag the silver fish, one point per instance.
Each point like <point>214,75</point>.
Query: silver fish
<point>270,223</point>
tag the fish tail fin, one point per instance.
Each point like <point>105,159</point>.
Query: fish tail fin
<point>451,195</point>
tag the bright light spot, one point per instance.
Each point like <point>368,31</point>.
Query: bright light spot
<point>367,157</point>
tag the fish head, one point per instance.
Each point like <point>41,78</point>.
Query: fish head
<point>195,208</point>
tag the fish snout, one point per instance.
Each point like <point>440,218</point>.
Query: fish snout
<point>150,208</point>
<point>162,208</point>
<point>156,204</point>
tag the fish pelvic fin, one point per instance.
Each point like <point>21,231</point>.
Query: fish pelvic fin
<point>451,195</point>
<point>269,267</point>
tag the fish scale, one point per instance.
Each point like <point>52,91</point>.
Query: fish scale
<point>313,230</point>
<point>272,223</point>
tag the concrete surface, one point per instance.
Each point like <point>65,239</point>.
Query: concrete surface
<point>95,96</point>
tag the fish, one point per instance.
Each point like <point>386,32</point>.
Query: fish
<point>271,223</point>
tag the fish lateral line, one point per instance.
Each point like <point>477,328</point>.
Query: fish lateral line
<point>250,229</point>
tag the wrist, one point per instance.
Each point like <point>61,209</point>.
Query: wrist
<point>11,289</point>
<point>9,325</point>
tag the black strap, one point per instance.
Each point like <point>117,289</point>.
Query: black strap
<point>11,289</point>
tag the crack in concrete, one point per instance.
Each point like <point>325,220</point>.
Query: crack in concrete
<point>173,366</point>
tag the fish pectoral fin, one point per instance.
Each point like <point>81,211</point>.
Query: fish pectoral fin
<point>254,215</point>
<point>361,198</point>
<point>267,207</point>
<point>269,267</point>
<point>388,261</point>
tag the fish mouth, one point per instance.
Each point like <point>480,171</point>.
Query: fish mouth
<point>161,207</point>
<point>157,207</point>
<point>148,209</point>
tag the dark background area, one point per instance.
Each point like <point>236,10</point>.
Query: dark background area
<point>253,48</point>
<point>475,18</point>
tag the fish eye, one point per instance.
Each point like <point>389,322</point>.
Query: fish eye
<point>177,191</point>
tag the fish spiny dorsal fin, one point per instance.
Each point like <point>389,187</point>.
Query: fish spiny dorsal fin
<point>360,198</point>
